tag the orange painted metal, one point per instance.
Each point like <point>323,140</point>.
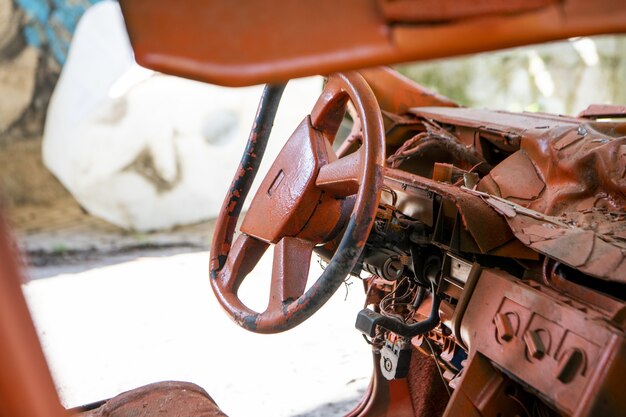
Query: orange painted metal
<point>570,167</point>
<point>162,399</point>
<point>384,398</point>
<point>288,196</point>
<point>566,191</point>
<point>566,331</point>
<point>415,11</point>
<point>555,188</point>
<point>485,226</point>
<point>599,111</point>
<point>611,307</point>
<point>251,42</point>
<point>304,195</point>
<point>26,388</point>
<point>397,94</point>
<point>488,393</point>
<point>549,194</point>
<point>561,186</point>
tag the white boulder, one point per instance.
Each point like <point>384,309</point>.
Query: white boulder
<point>149,151</point>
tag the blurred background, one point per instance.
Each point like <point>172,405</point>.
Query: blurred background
<point>112,175</point>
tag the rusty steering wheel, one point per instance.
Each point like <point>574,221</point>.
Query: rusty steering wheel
<point>304,201</point>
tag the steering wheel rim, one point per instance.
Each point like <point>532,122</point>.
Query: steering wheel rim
<point>336,179</point>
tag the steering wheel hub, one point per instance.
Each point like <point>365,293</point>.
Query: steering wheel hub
<point>288,196</point>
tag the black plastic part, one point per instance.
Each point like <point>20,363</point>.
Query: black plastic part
<point>426,264</point>
<point>421,293</point>
<point>367,320</point>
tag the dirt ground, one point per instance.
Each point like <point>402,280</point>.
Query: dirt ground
<point>23,178</point>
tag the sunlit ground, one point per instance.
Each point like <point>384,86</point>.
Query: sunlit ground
<point>114,328</point>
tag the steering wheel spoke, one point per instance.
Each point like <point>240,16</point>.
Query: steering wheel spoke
<point>244,255</point>
<point>290,271</point>
<point>341,177</point>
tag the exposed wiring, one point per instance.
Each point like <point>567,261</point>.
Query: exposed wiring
<point>520,403</point>
<point>347,284</point>
<point>394,195</point>
<point>391,302</point>
<point>435,358</point>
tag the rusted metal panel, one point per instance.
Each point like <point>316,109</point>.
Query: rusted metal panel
<point>609,304</point>
<point>485,225</point>
<point>397,94</point>
<point>580,175</point>
<point>428,11</point>
<point>252,42</point>
<point>600,111</point>
<point>436,138</point>
<point>495,120</point>
<point>163,399</point>
<point>383,397</point>
<point>545,321</point>
<point>518,178</point>
<point>488,394</point>
<point>563,191</point>
<point>578,245</point>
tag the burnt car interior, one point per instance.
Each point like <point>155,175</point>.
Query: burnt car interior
<point>491,244</point>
